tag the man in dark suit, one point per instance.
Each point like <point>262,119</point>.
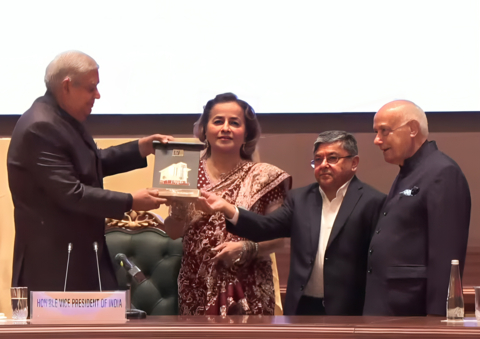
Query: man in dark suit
<point>55,174</point>
<point>329,223</point>
<point>423,224</point>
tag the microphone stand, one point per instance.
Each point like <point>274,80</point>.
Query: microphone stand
<point>70,246</point>
<point>95,248</point>
<point>132,313</point>
<point>128,296</point>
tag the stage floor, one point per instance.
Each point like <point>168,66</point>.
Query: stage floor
<point>250,327</point>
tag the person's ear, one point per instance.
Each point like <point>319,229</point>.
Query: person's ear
<point>414,128</point>
<point>66,85</point>
<point>355,161</point>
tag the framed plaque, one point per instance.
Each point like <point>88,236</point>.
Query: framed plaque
<point>175,173</point>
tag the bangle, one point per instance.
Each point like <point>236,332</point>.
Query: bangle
<point>249,252</point>
<point>241,258</point>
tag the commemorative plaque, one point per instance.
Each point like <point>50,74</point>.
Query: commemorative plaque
<point>175,173</point>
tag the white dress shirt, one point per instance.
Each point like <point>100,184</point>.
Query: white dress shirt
<point>330,210</point>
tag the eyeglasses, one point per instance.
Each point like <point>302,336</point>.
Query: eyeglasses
<point>385,131</point>
<point>331,160</point>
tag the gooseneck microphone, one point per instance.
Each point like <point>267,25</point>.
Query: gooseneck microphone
<point>139,277</point>
<point>70,246</point>
<point>95,248</point>
<point>130,267</point>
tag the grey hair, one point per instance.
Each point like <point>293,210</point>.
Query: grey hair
<point>67,65</point>
<point>415,113</point>
<point>349,143</point>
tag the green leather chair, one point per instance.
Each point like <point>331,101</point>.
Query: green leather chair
<point>158,257</point>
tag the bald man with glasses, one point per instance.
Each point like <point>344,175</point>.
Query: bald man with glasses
<point>424,222</point>
<point>330,224</point>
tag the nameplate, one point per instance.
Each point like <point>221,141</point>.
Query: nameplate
<point>74,307</point>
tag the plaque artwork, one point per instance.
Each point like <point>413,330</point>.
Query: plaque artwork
<point>176,168</point>
<point>175,174</point>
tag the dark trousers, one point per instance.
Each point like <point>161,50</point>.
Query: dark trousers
<point>310,306</point>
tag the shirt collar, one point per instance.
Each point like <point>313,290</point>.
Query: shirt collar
<point>62,113</point>
<point>340,192</point>
<point>411,163</point>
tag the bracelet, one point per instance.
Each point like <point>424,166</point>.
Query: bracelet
<point>241,258</point>
<point>249,252</point>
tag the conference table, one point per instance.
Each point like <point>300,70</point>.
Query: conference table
<point>251,327</point>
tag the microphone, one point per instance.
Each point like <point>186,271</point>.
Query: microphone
<point>70,246</point>
<point>95,248</point>
<point>130,267</point>
<point>139,277</point>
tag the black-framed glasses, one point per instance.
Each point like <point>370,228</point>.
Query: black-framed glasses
<point>331,160</point>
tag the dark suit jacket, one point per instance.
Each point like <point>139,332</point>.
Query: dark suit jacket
<point>419,232</point>
<point>347,249</point>
<point>55,173</point>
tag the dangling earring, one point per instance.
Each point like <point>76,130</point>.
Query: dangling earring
<point>207,145</point>
<point>243,148</point>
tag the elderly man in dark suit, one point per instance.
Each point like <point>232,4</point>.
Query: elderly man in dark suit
<point>329,223</point>
<point>424,222</point>
<point>55,174</point>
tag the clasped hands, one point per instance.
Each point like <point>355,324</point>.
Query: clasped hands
<point>228,253</point>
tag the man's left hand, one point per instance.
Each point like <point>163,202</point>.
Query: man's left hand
<point>145,145</point>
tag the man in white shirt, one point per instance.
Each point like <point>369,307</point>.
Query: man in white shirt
<point>330,224</point>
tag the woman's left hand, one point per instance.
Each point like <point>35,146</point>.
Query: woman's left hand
<point>228,253</point>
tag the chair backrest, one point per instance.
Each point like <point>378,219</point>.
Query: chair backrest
<point>158,257</point>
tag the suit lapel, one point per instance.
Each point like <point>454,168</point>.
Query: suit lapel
<point>88,140</point>
<point>353,194</point>
<point>91,144</point>
<point>315,204</point>
<point>392,195</point>
<point>86,137</point>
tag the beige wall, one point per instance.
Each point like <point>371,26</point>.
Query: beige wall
<point>7,232</point>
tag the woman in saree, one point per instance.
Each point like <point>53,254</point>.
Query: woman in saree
<point>222,273</point>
